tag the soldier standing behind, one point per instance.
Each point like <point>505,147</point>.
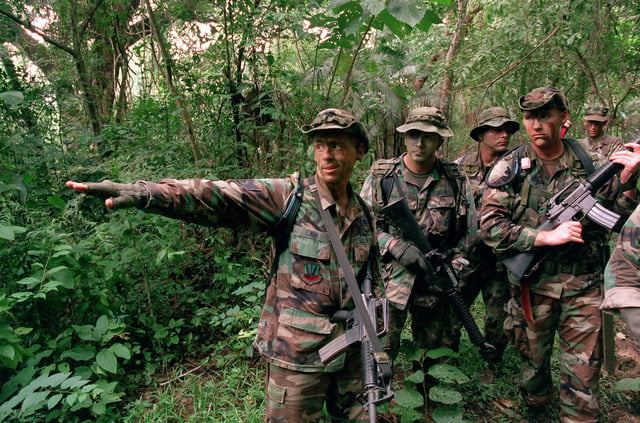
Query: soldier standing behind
<point>493,133</point>
<point>308,286</point>
<point>622,275</point>
<point>595,122</point>
<point>435,193</point>
<point>565,295</point>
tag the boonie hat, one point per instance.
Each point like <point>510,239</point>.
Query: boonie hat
<point>543,97</point>
<point>597,113</point>
<point>338,120</point>
<point>494,117</point>
<point>426,119</point>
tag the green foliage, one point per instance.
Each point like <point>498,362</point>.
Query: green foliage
<point>449,401</point>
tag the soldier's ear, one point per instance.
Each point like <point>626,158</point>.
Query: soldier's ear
<point>360,151</point>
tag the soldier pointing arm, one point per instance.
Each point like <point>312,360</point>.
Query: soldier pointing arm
<point>308,287</point>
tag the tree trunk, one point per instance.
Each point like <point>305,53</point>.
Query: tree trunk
<point>168,75</point>
<point>454,47</point>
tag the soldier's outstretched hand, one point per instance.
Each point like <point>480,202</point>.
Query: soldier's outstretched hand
<point>116,196</point>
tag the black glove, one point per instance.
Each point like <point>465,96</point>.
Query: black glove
<point>631,315</point>
<point>410,257</point>
<point>122,195</point>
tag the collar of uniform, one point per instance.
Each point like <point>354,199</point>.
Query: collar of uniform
<point>564,160</point>
<point>433,173</point>
<point>326,200</point>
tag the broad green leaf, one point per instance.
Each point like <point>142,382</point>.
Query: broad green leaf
<point>33,402</point>
<point>57,379</point>
<point>444,395</point>
<point>99,409</point>
<point>12,98</point>
<point>107,360</point>
<point>71,399</point>
<point>102,325</point>
<point>7,351</point>
<point>53,401</point>
<point>7,333</point>
<point>408,415</point>
<point>57,201</point>
<point>9,232</point>
<point>441,352</point>
<point>121,351</point>
<point>399,28</point>
<point>74,382</point>
<point>429,19</point>
<point>406,11</point>
<point>448,374</point>
<point>373,7</point>
<point>79,353</point>
<point>415,377</point>
<point>448,414</point>
<point>65,277</point>
<point>86,332</point>
<point>629,384</point>
<point>409,398</point>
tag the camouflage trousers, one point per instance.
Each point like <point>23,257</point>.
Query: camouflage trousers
<point>494,287</point>
<point>431,327</point>
<point>577,321</point>
<point>294,396</point>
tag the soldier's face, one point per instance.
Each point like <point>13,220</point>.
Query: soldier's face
<point>422,146</point>
<point>594,128</point>
<point>335,154</point>
<point>543,126</point>
<point>496,140</point>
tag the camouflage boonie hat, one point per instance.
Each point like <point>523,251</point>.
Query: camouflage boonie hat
<point>494,117</point>
<point>338,120</point>
<point>426,119</point>
<point>543,97</point>
<point>597,113</point>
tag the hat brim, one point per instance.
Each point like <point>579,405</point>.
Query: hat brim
<point>512,127</point>
<point>425,127</point>
<point>308,129</point>
<point>596,118</point>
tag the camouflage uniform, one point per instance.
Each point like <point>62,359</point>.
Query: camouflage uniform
<point>308,285</point>
<point>622,274</point>
<point>604,144</point>
<point>440,208</point>
<point>484,273</point>
<point>566,292</point>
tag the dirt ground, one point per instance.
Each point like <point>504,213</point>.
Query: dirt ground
<point>627,366</point>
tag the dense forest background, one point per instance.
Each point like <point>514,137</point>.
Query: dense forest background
<point>96,307</point>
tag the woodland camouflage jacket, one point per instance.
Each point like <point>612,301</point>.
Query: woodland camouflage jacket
<point>605,145</point>
<point>440,210</point>
<point>622,275</point>
<point>308,287</point>
<point>567,269</point>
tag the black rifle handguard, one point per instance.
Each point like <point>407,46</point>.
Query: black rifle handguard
<point>400,215</point>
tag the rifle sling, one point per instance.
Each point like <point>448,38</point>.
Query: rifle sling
<point>380,355</point>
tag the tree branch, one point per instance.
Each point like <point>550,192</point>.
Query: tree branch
<point>38,32</point>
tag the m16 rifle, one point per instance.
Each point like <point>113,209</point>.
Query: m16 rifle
<point>376,380</point>
<point>573,203</point>
<point>441,273</point>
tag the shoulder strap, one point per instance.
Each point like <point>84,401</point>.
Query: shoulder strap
<point>282,229</point>
<point>380,355</point>
<point>582,154</point>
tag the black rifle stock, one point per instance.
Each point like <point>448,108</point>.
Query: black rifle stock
<point>376,384</point>
<point>574,202</point>
<point>441,271</point>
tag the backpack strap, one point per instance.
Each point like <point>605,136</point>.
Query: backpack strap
<point>582,154</point>
<point>282,229</point>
